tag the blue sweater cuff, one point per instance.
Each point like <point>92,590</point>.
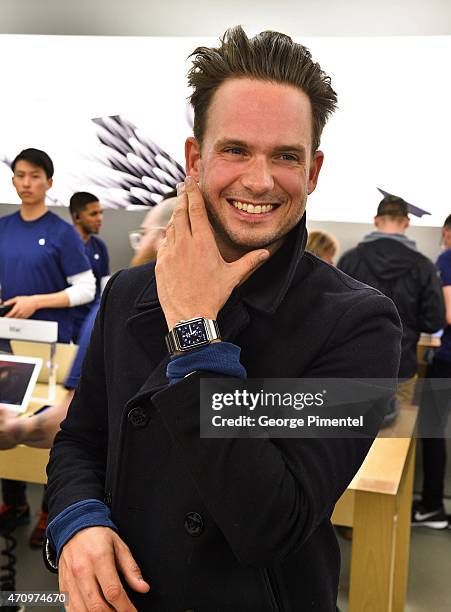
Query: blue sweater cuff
<point>220,357</point>
<point>82,514</point>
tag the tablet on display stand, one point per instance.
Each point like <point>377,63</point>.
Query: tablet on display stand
<point>34,330</point>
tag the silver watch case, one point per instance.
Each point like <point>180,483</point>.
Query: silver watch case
<point>211,333</point>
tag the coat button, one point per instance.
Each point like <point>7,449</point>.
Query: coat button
<point>138,417</point>
<point>194,524</point>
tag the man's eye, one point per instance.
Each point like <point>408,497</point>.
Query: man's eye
<point>234,150</point>
<point>288,157</point>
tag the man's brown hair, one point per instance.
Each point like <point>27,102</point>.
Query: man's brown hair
<point>393,207</point>
<point>447,223</point>
<point>269,56</point>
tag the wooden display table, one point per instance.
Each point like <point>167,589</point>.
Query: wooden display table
<point>377,504</point>
<point>24,462</point>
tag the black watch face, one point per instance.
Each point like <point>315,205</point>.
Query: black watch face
<point>191,334</point>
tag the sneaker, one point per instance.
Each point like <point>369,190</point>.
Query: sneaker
<point>434,519</point>
<point>13,516</point>
<point>38,533</point>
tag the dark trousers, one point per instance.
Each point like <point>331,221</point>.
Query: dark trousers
<point>433,420</point>
<point>13,492</point>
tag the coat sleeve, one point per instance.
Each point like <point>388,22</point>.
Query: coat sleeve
<point>268,495</point>
<point>76,469</point>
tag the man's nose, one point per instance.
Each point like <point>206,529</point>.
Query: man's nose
<point>257,176</point>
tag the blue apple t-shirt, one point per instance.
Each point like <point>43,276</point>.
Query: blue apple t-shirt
<point>97,254</point>
<point>444,265</point>
<point>36,257</point>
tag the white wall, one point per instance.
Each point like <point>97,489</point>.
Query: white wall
<point>209,17</point>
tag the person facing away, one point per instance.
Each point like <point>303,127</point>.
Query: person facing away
<point>44,274</point>
<point>87,216</point>
<point>435,406</point>
<point>219,524</point>
<point>389,261</point>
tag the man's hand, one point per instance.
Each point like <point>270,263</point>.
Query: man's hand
<point>88,567</point>
<point>10,428</point>
<point>192,277</point>
<point>24,306</point>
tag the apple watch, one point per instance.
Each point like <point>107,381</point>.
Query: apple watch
<point>192,334</point>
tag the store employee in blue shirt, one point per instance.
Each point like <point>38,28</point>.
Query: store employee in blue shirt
<point>87,216</point>
<point>43,267</point>
<point>44,272</point>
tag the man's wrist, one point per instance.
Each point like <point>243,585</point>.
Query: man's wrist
<point>180,353</point>
<point>36,302</point>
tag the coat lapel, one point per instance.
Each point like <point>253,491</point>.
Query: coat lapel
<point>147,323</point>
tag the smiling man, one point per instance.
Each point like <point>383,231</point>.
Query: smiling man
<point>256,157</point>
<point>219,524</point>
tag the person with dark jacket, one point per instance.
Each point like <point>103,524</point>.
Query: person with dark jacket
<point>389,261</point>
<point>435,407</point>
<point>221,524</point>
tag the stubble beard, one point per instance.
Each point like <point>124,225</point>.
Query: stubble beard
<point>233,246</point>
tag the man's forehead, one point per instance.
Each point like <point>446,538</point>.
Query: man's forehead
<point>25,166</point>
<point>93,206</point>
<point>251,107</point>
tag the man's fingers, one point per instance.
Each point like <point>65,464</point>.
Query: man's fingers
<point>170,232</point>
<point>66,585</point>
<point>13,313</point>
<point>75,603</point>
<point>180,218</point>
<point>196,208</point>
<point>129,567</point>
<point>88,569</point>
<point>96,600</point>
<point>99,585</point>
<point>244,266</point>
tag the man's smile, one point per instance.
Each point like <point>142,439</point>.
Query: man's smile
<point>247,209</point>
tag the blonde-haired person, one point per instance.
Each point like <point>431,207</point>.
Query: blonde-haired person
<point>323,245</point>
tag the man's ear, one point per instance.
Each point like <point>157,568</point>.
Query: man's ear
<point>315,167</point>
<point>192,157</point>
<point>49,183</point>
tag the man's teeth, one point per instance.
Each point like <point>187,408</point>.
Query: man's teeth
<point>250,208</point>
